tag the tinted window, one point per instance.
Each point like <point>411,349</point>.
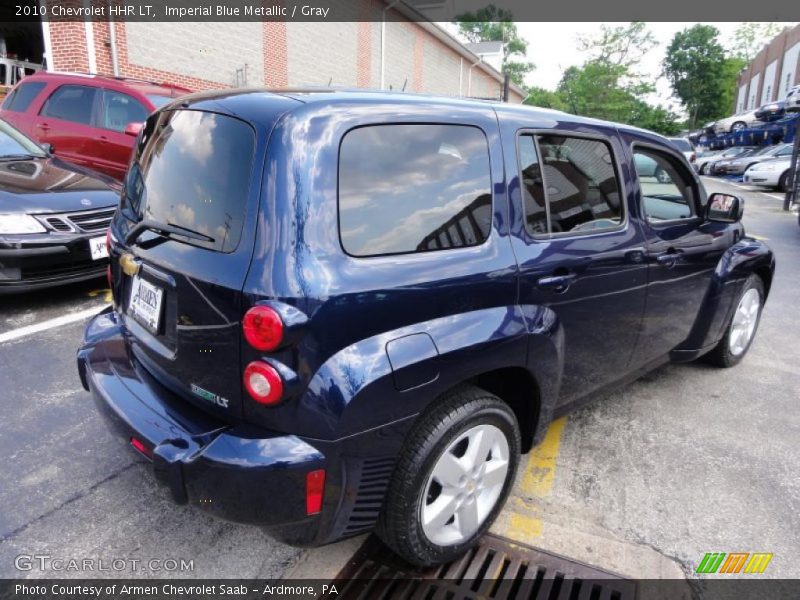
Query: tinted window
<point>572,188</point>
<point>667,192</point>
<point>21,98</point>
<point>119,110</point>
<point>681,144</point>
<point>413,188</point>
<point>193,169</point>
<point>71,103</point>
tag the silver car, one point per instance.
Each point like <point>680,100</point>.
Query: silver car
<point>739,165</point>
<point>772,173</point>
<point>737,122</point>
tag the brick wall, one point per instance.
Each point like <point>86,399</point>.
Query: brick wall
<point>204,56</point>
<point>209,51</point>
<point>68,41</point>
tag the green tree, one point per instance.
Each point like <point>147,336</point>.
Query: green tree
<point>608,85</point>
<point>622,46</point>
<point>749,38</point>
<point>699,73</point>
<point>543,98</point>
<point>491,24</point>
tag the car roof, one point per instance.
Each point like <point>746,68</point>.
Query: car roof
<point>246,101</point>
<point>140,85</point>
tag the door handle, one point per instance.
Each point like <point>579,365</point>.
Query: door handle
<point>44,126</point>
<point>557,283</point>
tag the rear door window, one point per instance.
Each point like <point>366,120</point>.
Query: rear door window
<point>413,188</point>
<point>569,185</point>
<point>193,170</point>
<point>119,110</point>
<point>20,99</point>
<point>72,103</point>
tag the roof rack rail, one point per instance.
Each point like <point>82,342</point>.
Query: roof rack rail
<point>122,78</point>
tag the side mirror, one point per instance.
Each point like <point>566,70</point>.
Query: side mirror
<point>47,148</point>
<point>133,129</point>
<point>725,208</point>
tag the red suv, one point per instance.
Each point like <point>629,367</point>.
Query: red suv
<point>89,120</point>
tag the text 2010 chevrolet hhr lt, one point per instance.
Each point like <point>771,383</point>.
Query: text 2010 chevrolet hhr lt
<point>340,310</point>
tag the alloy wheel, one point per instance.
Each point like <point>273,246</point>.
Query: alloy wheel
<point>744,322</point>
<point>465,484</point>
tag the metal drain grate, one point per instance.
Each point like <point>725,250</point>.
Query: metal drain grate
<point>496,568</point>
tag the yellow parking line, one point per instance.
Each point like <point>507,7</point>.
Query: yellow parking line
<point>541,470</point>
<point>524,523</point>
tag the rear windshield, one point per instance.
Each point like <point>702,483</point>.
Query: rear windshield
<point>192,169</point>
<point>20,99</point>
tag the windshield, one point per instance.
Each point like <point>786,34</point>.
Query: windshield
<point>682,144</point>
<point>13,143</point>
<point>192,170</point>
<point>158,100</point>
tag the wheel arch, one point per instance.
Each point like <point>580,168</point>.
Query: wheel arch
<point>517,387</point>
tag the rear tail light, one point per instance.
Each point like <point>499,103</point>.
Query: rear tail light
<point>263,383</point>
<point>315,486</point>
<point>693,157</point>
<point>263,328</point>
<point>140,447</point>
<point>108,276</point>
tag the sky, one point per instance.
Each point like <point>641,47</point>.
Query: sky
<point>552,47</point>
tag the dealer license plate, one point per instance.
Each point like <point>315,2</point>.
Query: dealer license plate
<point>145,303</point>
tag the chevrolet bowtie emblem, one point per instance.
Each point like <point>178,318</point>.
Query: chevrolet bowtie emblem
<point>130,266</point>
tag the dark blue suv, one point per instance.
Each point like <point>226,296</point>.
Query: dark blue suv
<point>338,311</point>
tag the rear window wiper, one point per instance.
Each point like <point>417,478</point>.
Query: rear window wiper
<point>166,229</point>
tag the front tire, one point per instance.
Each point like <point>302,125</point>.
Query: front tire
<point>452,477</point>
<point>703,169</point>
<point>742,327</point>
<point>738,126</point>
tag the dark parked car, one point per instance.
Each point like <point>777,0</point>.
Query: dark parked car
<point>771,111</point>
<point>53,217</point>
<point>90,120</point>
<point>739,164</point>
<point>703,163</point>
<point>336,311</point>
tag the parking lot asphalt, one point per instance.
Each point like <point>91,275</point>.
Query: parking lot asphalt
<point>688,460</point>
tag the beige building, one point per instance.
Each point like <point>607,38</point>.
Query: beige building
<point>772,72</point>
<point>384,47</point>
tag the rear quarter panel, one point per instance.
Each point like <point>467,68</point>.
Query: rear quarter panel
<point>464,299</point>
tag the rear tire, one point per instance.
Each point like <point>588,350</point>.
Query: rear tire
<point>738,126</point>
<point>742,327</point>
<point>783,182</point>
<point>452,477</point>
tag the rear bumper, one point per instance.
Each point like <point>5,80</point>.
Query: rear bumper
<point>235,472</point>
<point>30,262</point>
